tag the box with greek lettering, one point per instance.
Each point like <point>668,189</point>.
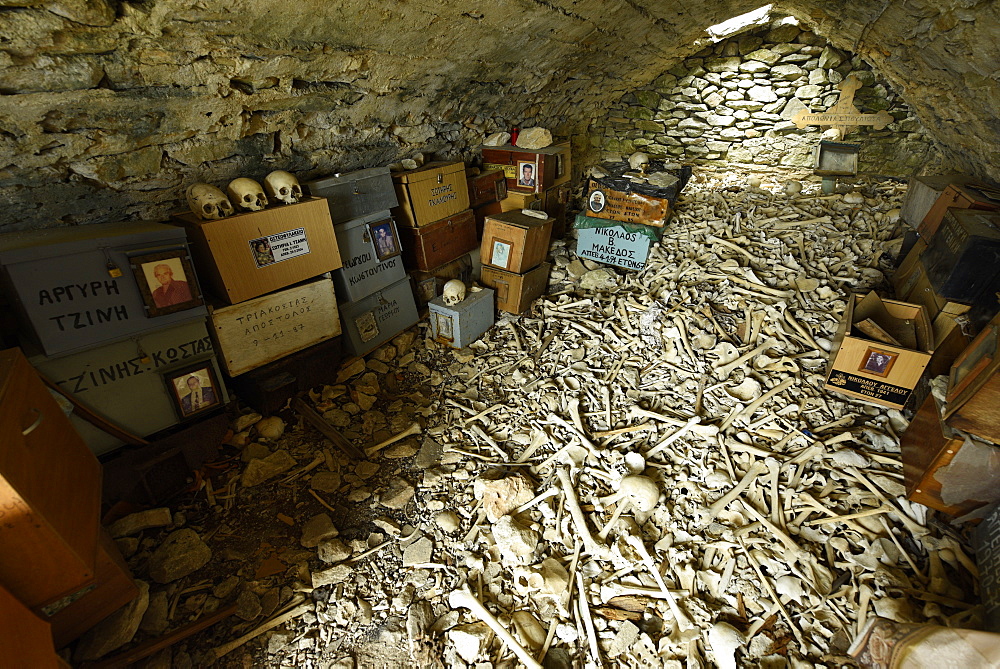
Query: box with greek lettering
<point>373,320</point>
<point>430,193</point>
<point>129,382</point>
<point>259,331</point>
<point>79,287</point>
<point>881,350</point>
<point>370,249</point>
<point>254,253</point>
<point>614,243</point>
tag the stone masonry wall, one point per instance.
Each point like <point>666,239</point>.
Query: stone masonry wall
<point>733,101</point>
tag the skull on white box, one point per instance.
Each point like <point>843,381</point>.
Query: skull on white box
<point>246,194</point>
<point>208,202</point>
<point>453,292</point>
<point>283,186</point>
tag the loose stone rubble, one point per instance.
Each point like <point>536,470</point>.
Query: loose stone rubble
<point>647,473</point>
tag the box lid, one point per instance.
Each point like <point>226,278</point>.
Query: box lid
<point>52,242</point>
<point>429,171</point>
<point>977,222</point>
<point>364,220</point>
<point>345,178</point>
<point>471,299</point>
<point>520,220</point>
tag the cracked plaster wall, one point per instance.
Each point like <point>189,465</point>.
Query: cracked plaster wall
<point>108,109</point>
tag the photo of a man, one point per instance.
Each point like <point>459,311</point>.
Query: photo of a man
<point>169,284</point>
<point>262,253</point>
<point>385,240</point>
<point>198,397</point>
<point>527,172</point>
<point>878,362</point>
<point>596,201</point>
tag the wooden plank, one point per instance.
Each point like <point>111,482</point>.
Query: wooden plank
<point>24,637</point>
<point>340,441</point>
<point>254,333</point>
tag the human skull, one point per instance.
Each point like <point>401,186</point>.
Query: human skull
<point>454,292</point>
<point>638,160</point>
<point>283,186</point>
<point>246,194</point>
<point>208,202</point>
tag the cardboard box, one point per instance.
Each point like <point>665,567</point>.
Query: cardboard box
<point>548,167</point>
<point>957,196</point>
<point>373,320</point>
<point>371,249</point>
<point>952,334</point>
<point>872,370</point>
<point>514,241</point>
<point>428,284</point>
<point>614,243</point>
<point>489,186</point>
<point>927,447</point>
<point>258,252</point>
<point>433,245</point>
<point>50,491</point>
<point>923,192</point>
<point>123,381</point>
<point>635,208</point>
<point>59,280</point>
<point>963,259</point>
<point>516,292</point>
<point>461,324</point>
<point>355,194</point>
<point>259,331</point>
<point>430,193</point>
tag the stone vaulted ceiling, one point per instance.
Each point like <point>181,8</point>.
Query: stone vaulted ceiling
<point>108,108</point>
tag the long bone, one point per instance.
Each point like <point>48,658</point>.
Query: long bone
<point>463,598</point>
<point>590,545</point>
<point>756,469</point>
<point>703,430</point>
<point>633,540</point>
<point>413,429</point>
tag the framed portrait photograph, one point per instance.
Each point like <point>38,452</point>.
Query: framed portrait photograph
<point>383,236</point>
<point>166,281</point>
<point>194,389</point>
<point>526,173</point>
<point>878,361</point>
<point>596,201</point>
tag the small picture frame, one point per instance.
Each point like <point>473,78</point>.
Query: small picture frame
<point>263,255</point>
<point>194,389</point>
<point>597,201</point>
<point>500,256</point>
<point>384,239</point>
<point>878,362</point>
<point>527,175</point>
<point>166,281</point>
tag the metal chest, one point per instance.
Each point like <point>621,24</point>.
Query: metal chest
<point>114,381</point>
<point>375,319</point>
<point>363,273</point>
<point>59,280</point>
<point>356,194</point>
<point>461,324</point>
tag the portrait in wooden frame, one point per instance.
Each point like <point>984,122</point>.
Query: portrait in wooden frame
<point>166,281</point>
<point>193,389</point>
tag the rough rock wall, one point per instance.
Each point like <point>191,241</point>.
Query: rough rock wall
<point>108,108</point>
<point>734,101</point>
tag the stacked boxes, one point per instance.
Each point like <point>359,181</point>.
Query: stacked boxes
<point>437,225</point>
<point>512,253</point>
<point>626,213</point>
<point>362,204</point>
<point>546,189</point>
<point>115,315</point>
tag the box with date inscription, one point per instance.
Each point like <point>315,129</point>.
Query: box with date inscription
<point>127,382</point>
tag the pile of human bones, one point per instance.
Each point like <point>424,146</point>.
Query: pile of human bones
<point>642,471</point>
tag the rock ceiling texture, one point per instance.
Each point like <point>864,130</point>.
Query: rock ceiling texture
<point>109,108</point>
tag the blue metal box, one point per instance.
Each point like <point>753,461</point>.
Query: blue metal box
<point>614,243</point>
<point>461,324</point>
